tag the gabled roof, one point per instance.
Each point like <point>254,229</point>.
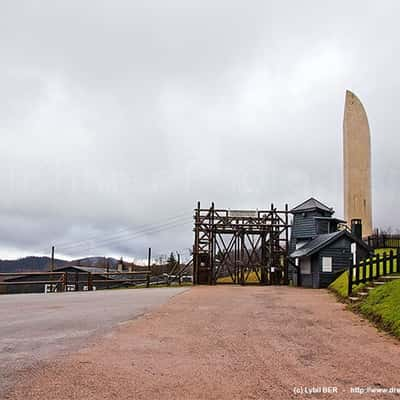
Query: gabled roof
<point>315,244</point>
<point>321,241</point>
<point>311,204</point>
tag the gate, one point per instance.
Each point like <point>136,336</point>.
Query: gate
<point>240,246</point>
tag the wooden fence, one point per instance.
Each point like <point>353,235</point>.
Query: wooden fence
<point>45,278</point>
<point>370,269</point>
<point>63,281</point>
<point>384,241</point>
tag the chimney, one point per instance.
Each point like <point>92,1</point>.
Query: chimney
<point>356,228</point>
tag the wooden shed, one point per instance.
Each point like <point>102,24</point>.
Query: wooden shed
<point>318,249</point>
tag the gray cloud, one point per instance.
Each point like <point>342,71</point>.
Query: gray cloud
<point>119,115</point>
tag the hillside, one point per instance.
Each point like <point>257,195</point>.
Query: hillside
<point>33,263</point>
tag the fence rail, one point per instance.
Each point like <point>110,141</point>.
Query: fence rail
<point>74,281</point>
<point>370,269</point>
<point>59,283</point>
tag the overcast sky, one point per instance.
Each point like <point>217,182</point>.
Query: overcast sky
<point>117,116</point>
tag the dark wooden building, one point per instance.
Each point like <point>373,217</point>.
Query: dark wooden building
<point>318,249</point>
<point>77,279</point>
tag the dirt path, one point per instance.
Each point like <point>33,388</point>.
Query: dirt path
<point>35,327</point>
<point>228,343</point>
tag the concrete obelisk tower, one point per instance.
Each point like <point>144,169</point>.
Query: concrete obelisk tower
<point>357,163</point>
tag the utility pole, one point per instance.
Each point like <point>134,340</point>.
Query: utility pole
<point>149,259</point>
<point>52,259</point>
<point>107,271</point>
<point>148,268</point>
<point>179,268</point>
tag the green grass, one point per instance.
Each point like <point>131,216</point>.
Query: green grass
<point>251,278</point>
<point>340,285</point>
<point>382,307</point>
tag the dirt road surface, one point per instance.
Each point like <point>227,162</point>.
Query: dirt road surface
<point>227,342</point>
<point>37,327</point>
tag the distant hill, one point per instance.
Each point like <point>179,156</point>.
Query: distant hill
<point>32,263</point>
<point>28,264</point>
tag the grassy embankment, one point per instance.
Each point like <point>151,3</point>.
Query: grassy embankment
<point>382,305</point>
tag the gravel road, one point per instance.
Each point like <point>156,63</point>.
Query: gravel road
<point>227,342</point>
<point>37,327</point>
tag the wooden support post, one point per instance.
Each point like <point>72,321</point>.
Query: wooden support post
<point>357,278</point>
<point>398,260</point>
<point>148,279</point>
<point>89,281</point>
<point>391,262</point>
<point>196,257</point>
<point>148,268</point>
<point>169,276</point>
<point>263,259</point>
<point>242,272</point>
<point>371,269</point>
<point>364,268</point>
<point>107,271</point>
<point>64,282</point>
<point>377,266</point>
<point>384,261</point>
<point>211,240</point>
<point>76,281</point>
<point>286,261</point>
<point>52,259</point>
<point>237,278</point>
<point>350,280</point>
<point>179,271</point>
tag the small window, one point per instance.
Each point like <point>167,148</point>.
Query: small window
<point>323,227</point>
<point>326,264</point>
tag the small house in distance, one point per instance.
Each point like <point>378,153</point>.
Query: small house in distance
<point>319,250</point>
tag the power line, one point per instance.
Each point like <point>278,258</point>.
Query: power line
<point>144,232</point>
<point>72,243</point>
<point>131,235</point>
<point>128,232</point>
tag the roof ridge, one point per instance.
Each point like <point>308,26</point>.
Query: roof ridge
<point>312,202</point>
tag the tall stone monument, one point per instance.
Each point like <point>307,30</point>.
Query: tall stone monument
<point>357,163</point>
